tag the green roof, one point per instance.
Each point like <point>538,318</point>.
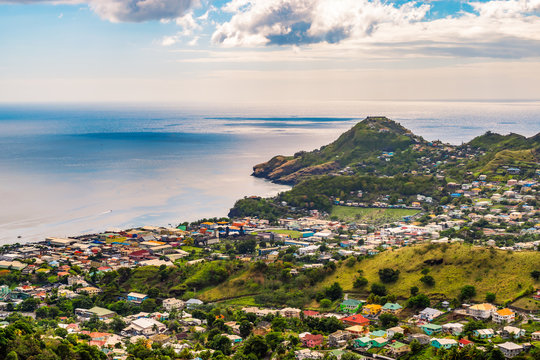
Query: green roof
<point>397,345</point>
<point>351,302</point>
<point>100,311</point>
<point>392,306</point>
<point>432,327</point>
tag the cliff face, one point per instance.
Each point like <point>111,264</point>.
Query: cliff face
<point>366,140</point>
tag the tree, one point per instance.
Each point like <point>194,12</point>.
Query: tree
<point>388,320</point>
<point>428,280</point>
<point>12,355</point>
<point>419,301</point>
<point>245,328</point>
<point>61,332</point>
<point>256,345</point>
<point>467,292</point>
<point>334,292</point>
<point>221,343</point>
<point>350,356</point>
<point>360,282</point>
<point>416,347</point>
<point>414,290</point>
<point>117,324</point>
<point>325,303</point>
<point>148,305</point>
<point>535,274</point>
<point>378,289</point>
<point>388,275</point>
<point>490,297</point>
<point>153,293</point>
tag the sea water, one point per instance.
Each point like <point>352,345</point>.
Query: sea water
<point>75,169</point>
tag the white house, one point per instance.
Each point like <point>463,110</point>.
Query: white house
<point>509,349</point>
<point>145,326</point>
<point>173,304</point>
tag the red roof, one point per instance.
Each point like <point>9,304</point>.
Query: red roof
<point>313,337</point>
<point>355,319</point>
<point>465,342</point>
<point>310,313</point>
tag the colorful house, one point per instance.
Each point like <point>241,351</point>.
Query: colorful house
<point>378,334</point>
<point>398,349</point>
<point>503,316</point>
<point>371,309</point>
<point>355,320</point>
<point>443,343</point>
<point>310,340</point>
<point>136,298</point>
<point>392,308</point>
<point>350,305</point>
<point>431,329</point>
<point>483,333</point>
<point>362,342</point>
<point>378,342</point>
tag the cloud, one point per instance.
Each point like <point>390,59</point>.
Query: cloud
<point>298,22</point>
<point>127,10</point>
<point>140,10</point>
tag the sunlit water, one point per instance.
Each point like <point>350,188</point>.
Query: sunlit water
<point>67,170</point>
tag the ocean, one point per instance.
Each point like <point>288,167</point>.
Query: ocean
<point>75,169</point>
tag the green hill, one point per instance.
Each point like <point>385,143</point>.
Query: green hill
<point>507,274</point>
<point>363,143</point>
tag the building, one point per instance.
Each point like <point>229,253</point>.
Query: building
<point>503,316</point>
<point>136,298</point>
<point>431,329</point>
<point>173,304</point>
<point>483,333</point>
<point>338,338</point>
<point>310,340</point>
<point>371,309</point>
<point>510,350</point>
<point>101,313</point>
<point>290,312</point>
<point>392,308</point>
<point>512,332</point>
<point>357,330</point>
<point>355,320</point>
<point>144,326</point>
<point>398,349</point>
<point>453,328</point>
<point>443,343</point>
<point>464,342</point>
<point>429,314</point>
<point>350,305</point>
<point>481,311</point>
<point>90,290</point>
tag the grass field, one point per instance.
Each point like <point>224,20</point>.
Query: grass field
<point>527,303</point>
<point>292,233</point>
<point>503,273</point>
<point>370,215</point>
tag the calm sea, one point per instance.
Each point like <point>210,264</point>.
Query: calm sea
<point>74,169</point>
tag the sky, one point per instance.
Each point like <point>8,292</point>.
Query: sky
<point>268,51</point>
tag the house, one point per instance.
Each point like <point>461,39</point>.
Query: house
<point>307,354</point>
<point>338,338</point>
<point>173,304</point>
<point>483,333</point>
<point>144,326</point>
<point>357,330</point>
<point>392,308</point>
<point>310,340</point>
<point>371,309</point>
<point>350,306</point>
<point>429,314</point>
<point>355,320</point>
<point>235,339</point>
<point>90,290</point>
<point>136,298</point>
<point>481,311</point>
<point>290,312</point>
<point>443,343</point>
<point>193,303</point>
<point>464,342</point>
<point>101,313</point>
<point>394,330</point>
<point>362,342</point>
<point>535,336</point>
<point>504,316</point>
<point>421,338</point>
<point>311,313</point>
<point>512,332</point>
<point>378,342</point>
<point>453,328</point>
<point>398,349</point>
<point>431,329</point>
<point>509,349</point>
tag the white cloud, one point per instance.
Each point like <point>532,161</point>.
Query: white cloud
<point>140,10</point>
<point>493,29</point>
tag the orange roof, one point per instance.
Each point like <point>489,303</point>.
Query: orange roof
<point>484,307</point>
<point>505,312</point>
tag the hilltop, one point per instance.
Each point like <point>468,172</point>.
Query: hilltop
<point>382,147</point>
<point>363,143</point>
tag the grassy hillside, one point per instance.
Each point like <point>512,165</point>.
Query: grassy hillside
<point>370,215</point>
<point>504,273</point>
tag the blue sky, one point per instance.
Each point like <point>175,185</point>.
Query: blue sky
<point>260,51</point>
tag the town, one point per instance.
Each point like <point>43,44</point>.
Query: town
<point>222,294</point>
